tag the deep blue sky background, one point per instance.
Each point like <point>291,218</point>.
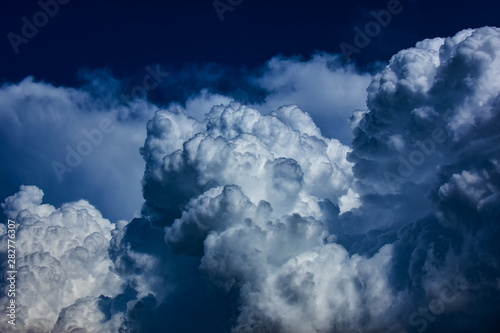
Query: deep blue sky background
<point>126,35</point>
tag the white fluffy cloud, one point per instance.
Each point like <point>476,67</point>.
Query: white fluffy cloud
<point>432,109</point>
<point>264,191</point>
<point>62,263</point>
<point>280,158</point>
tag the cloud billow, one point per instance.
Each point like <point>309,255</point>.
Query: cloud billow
<point>425,150</point>
<point>262,192</point>
<point>256,222</point>
<point>62,264</point>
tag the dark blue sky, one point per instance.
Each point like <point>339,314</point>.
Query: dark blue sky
<point>127,35</point>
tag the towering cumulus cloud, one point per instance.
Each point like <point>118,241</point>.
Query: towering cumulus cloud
<point>255,197</point>
<point>427,167</point>
<point>302,240</point>
<point>260,223</point>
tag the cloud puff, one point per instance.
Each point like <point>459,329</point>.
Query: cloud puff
<point>266,155</point>
<point>291,281</point>
<point>431,109</point>
<point>62,263</point>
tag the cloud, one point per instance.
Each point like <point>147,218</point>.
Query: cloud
<point>62,264</point>
<point>426,109</point>
<point>53,138</point>
<point>324,87</point>
<point>260,221</point>
<point>254,197</point>
<point>291,281</point>
<point>78,159</point>
<point>86,315</point>
<point>426,161</point>
<point>257,198</point>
